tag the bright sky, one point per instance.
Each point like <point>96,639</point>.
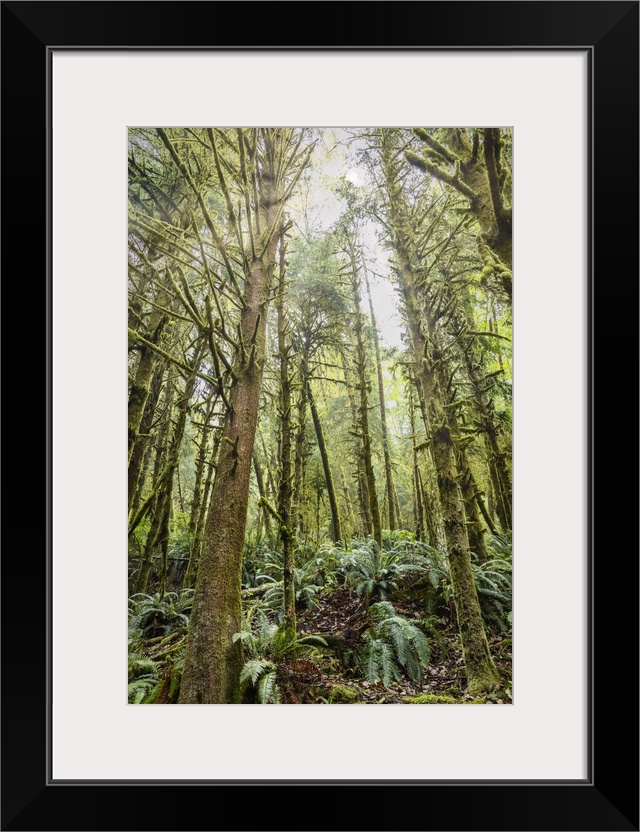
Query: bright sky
<point>333,158</point>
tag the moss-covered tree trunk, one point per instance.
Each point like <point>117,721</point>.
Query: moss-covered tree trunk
<point>147,363</point>
<point>264,500</point>
<point>287,523</point>
<point>497,457</point>
<point>480,669</point>
<point>213,661</point>
<point>418,503</point>
<point>468,489</point>
<point>200,474</point>
<point>194,554</point>
<point>300,453</point>
<point>347,500</point>
<point>156,499</point>
<point>139,454</point>
<point>388,471</point>
<point>363,389</point>
<point>159,533</point>
<point>360,473</point>
<point>336,526</point>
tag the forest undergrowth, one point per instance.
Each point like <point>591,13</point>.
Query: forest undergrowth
<point>376,625</point>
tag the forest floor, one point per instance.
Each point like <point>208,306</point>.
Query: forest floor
<point>342,614</point>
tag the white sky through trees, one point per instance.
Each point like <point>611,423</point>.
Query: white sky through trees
<point>317,207</point>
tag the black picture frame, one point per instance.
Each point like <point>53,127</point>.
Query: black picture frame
<point>608,798</point>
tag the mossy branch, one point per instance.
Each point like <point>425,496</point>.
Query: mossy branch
<point>437,172</point>
<point>447,154</point>
<point>136,336</point>
<point>264,502</point>
<point>491,148</point>
<point>205,212</point>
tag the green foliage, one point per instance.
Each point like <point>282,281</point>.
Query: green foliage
<point>314,570</point>
<point>394,647</point>
<point>155,615</point>
<point>140,688</point>
<point>501,546</point>
<point>375,572</point>
<point>265,644</point>
<point>262,676</point>
<point>493,580</point>
<point>157,632</point>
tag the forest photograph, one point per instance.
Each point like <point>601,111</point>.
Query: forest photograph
<point>320,415</point>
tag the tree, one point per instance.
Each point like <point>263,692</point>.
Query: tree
<point>265,165</point>
<point>474,163</point>
<point>423,311</point>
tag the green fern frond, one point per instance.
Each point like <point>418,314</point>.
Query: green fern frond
<point>253,670</point>
<point>139,689</point>
<point>268,690</point>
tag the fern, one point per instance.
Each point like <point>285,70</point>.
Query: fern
<point>268,691</point>
<point>375,573</point>
<point>139,689</point>
<point>155,615</point>
<point>253,670</point>
<point>265,644</point>
<point>395,647</point>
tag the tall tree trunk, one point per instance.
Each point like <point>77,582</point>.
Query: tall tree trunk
<point>497,457</point>
<point>141,385</point>
<point>483,510</point>
<point>336,526</point>
<point>416,480</point>
<point>361,476</point>
<point>429,515</point>
<point>201,460</point>
<point>156,499</point>
<point>469,490</point>
<point>194,555</point>
<point>287,523</point>
<point>138,454</point>
<point>347,500</point>
<point>383,413</point>
<point>266,515</point>
<point>300,451</point>
<point>363,388</point>
<point>213,661</point>
<point>160,536</point>
<point>480,669</point>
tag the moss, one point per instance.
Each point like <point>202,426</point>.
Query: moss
<point>429,699</point>
<point>343,695</point>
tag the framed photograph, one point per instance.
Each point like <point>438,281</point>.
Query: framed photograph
<point>547,93</point>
